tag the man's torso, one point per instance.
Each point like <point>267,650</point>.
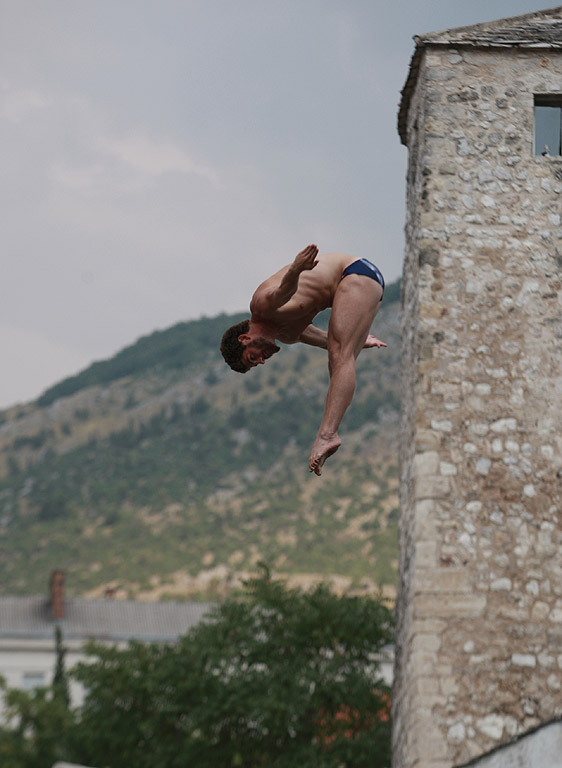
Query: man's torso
<point>314,293</point>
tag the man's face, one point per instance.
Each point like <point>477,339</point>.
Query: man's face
<point>257,351</point>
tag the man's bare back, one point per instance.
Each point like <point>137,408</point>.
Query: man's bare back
<point>283,308</point>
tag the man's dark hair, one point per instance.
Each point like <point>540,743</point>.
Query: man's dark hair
<point>232,349</point>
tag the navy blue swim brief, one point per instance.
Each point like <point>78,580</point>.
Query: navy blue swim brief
<point>364,267</point>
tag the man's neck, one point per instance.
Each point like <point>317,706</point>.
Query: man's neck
<point>265,329</point>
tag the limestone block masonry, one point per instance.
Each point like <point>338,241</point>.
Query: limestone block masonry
<point>479,640</point>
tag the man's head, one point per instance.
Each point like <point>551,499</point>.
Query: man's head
<point>232,349</point>
<point>242,351</point>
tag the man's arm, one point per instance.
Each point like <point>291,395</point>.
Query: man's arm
<point>269,300</point>
<point>315,337</point>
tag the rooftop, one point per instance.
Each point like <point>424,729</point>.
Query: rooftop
<point>109,620</point>
<point>540,29</point>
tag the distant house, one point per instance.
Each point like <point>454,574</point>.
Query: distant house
<point>27,630</point>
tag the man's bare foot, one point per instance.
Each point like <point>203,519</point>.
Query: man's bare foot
<point>321,450</point>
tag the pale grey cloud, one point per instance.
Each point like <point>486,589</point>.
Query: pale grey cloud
<point>16,104</point>
<point>155,157</point>
<point>159,159</point>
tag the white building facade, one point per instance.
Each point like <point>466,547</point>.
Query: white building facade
<point>28,626</point>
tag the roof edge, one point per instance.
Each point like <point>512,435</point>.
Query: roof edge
<point>448,38</point>
<point>545,13</point>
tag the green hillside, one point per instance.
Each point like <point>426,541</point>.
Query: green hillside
<point>183,345</point>
<point>160,472</point>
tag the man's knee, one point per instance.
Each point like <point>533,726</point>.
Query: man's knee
<point>339,354</point>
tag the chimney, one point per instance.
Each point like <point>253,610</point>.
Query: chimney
<point>57,595</point>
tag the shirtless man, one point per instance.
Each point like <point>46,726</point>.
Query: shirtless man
<point>283,308</point>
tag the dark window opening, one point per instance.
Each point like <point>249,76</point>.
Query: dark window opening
<point>548,125</point>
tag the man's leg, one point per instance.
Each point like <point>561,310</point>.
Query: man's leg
<point>355,305</point>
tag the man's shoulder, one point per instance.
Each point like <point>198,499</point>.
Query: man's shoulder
<point>260,303</point>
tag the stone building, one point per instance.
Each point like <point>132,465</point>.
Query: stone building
<point>479,641</point>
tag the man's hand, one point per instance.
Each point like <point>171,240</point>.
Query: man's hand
<point>265,302</point>
<point>372,341</point>
<point>306,259</point>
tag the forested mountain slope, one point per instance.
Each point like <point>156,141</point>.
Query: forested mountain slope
<point>162,473</point>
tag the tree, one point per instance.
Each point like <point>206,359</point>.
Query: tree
<point>276,677</point>
<point>37,730</point>
<point>60,681</point>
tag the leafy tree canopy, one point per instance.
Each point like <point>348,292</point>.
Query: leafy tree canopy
<point>275,677</point>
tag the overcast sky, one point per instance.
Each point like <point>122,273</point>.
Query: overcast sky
<point>159,158</point>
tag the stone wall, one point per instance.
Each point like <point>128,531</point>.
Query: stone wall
<point>479,648</point>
